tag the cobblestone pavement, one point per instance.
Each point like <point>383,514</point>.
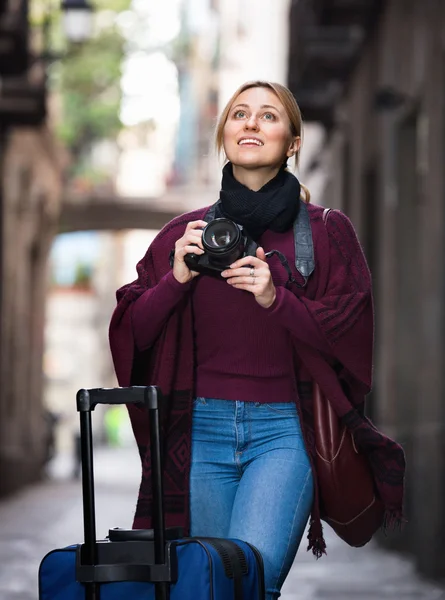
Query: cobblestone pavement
<point>49,515</point>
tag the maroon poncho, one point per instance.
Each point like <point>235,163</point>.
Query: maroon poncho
<point>339,298</point>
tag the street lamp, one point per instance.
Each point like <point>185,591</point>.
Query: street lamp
<point>77,20</point>
<point>23,74</point>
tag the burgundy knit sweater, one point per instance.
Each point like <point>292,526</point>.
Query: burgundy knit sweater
<point>243,351</point>
<point>337,302</point>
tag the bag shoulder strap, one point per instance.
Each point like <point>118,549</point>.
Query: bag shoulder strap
<point>326,215</point>
<point>304,246</point>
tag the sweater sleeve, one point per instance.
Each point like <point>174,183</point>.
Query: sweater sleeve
<point>343,308</point>
<point>292,314</point>
<point>158,302</point>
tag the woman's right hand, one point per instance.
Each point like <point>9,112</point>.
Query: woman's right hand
<point>190,243</point>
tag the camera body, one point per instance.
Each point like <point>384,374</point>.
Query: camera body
<point>224,242</point>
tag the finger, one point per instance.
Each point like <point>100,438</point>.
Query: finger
<point>195,225</point>
<point>189,250</point>
<point>247,261</point>
<point>194,238</point>
<point>244,271</point>
<point>250,281</point>
<point>261,254</point>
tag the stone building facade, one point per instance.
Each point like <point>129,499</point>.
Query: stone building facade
<point>30,183</point>
<point>30,194</point>
<point>373,72</point>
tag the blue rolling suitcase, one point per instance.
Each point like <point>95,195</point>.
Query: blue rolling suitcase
<point>156,564</point>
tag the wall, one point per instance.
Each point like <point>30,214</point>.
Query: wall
<point>31,188</point>
<point>386,172</point>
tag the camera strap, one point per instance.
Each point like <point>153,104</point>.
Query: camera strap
<point>284,262</point>
<point>304,246</point>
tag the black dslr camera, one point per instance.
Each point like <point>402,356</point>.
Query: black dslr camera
<point>224,242</point>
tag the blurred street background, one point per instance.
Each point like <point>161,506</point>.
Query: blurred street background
<point>107,116</point>
<point>48,515</point>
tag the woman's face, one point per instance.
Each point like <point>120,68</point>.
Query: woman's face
<point>257,131</point>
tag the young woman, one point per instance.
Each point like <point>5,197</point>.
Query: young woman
<point>235,355</point>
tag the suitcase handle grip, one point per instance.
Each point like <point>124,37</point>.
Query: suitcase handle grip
<point>143,535</point>
<point>88,399</point>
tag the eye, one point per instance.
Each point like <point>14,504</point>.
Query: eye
<point>269,116</point>
<point>239,114</point>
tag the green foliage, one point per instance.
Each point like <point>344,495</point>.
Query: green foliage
<point>88,81</point>
<point>82,278</point>
<point>116,6</point>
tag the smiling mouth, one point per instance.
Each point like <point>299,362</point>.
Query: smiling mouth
<point>250,142</point>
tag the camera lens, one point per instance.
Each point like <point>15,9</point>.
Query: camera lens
<point>221,235</point>
<point>221,239</point>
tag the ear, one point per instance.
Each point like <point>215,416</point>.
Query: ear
<point>294,146</point>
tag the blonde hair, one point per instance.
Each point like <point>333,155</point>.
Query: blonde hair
<point>290,106</point>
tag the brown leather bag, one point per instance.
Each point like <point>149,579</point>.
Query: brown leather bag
<point>348,500</point>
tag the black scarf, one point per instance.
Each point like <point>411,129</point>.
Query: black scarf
<point>275,206</point>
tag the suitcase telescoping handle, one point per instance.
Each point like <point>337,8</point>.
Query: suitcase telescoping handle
<point>87,400</point>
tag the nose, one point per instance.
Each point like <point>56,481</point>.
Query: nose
<point>251,122</point>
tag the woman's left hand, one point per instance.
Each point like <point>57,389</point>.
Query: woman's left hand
<point>252,274</point>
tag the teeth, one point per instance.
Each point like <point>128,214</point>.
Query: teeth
<point>250,141</point>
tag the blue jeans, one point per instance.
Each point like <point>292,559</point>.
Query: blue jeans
<point>251,479</point>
